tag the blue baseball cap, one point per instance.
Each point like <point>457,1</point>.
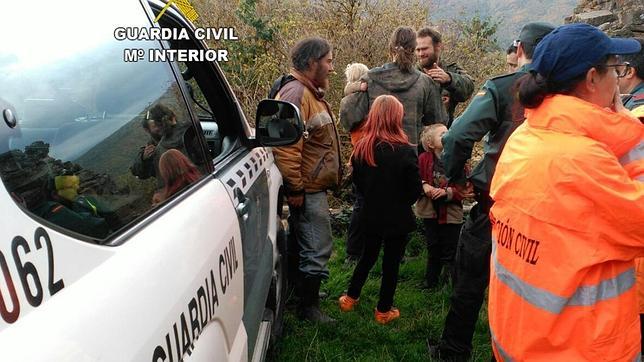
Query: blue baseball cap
<point>571,49</point>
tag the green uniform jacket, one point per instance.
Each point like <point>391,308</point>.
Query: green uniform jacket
<point>460,88</point>
<point>493,114</point>
<point>635,99</point>
<point>81,222</point>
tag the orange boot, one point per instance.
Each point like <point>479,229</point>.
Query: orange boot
<point>347,303</point>
<point>388,316</point>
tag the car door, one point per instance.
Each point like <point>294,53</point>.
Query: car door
<point>241,168</point>
<point>164,280</point>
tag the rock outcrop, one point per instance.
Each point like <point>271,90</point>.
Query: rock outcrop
<point>28,174</point>
<point>623,18</point>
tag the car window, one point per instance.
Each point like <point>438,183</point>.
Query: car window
<point>196,97</point>
<point>98,141</point>
<point>200,106</point>
<point>209,95</point>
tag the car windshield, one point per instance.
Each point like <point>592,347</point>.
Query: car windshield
<point>72,95</point>
<point>79,109</point>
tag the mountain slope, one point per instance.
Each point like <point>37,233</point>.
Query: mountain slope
<point>513,14</point>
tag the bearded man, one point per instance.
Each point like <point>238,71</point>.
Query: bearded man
<point>310,168</point>
<point>451,77</point>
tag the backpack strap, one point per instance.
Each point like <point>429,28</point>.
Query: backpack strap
<point>279,83</point>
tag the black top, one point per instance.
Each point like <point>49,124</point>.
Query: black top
<point>389,190</point>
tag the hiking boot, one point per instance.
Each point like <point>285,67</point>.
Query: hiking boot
<point>388,316</point>
<point>314,314</point>
<point>432,274</point>
<point>437,353</point>
<point>347,303</point>
<point>309,307</point>
<point>429,285</point>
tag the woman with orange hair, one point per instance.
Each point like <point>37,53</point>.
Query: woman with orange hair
<point>177,172</point>
<point>385,172</point>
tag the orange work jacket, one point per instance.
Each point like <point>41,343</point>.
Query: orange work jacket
<point>637,170</point>
<point>567,222</point>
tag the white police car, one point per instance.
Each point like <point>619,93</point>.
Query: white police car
<point>98,259</point>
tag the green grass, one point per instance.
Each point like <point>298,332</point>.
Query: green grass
<point>357,337</point>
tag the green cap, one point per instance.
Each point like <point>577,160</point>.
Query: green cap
<point>532,33</point>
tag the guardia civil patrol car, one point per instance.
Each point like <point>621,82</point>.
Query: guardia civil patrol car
<point>140,211</point>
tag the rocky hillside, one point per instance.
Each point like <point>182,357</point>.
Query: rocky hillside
<point>624,18</point>
<point>512,14</point>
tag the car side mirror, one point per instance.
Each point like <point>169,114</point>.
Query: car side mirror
<point>278,123</point>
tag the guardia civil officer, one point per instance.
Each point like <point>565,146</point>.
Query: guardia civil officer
<point>631,85</point>
<point>494,113</point>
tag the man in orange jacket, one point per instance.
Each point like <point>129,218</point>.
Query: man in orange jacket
<point>568,213</point>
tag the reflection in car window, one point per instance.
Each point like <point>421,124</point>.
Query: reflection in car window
<point>83,122</point>
<point>196,97</point>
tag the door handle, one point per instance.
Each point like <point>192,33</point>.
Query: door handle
<point>242,210</point>
<point>244,205</point>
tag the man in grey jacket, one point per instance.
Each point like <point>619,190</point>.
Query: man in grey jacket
<point>420,95</point>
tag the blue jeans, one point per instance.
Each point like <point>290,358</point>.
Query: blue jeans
<point>311,228</point>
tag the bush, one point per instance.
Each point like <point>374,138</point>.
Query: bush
<point>358,31</point>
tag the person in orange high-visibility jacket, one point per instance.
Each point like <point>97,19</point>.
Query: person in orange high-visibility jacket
<point>631,85</point>
<point>568,217</point>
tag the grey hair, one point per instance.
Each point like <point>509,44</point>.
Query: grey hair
<point>307,50</point>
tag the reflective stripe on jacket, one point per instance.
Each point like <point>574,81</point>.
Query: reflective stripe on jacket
<point>633,162</point>
<point>636,169</point>
<point>639,274</point>
<point>568,220</point>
